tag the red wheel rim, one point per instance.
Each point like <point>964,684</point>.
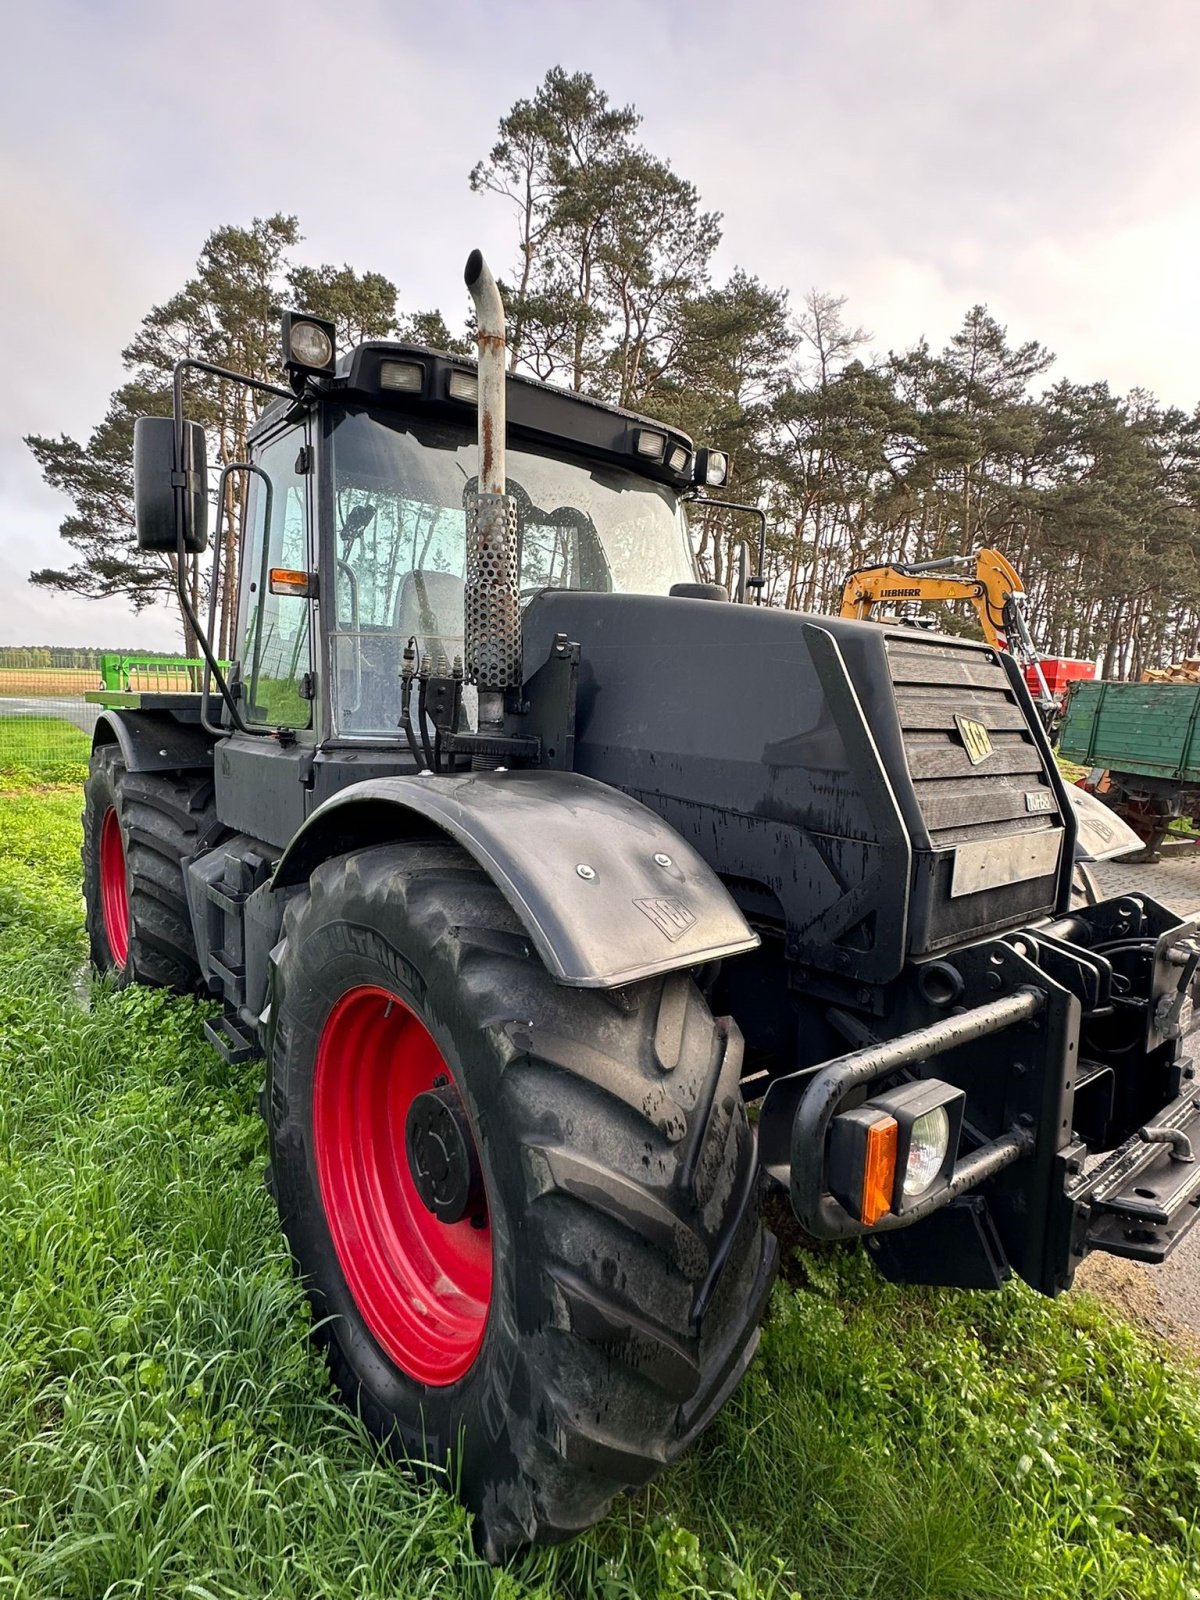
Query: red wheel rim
<point>114,890</point>
<point>422,1286</point>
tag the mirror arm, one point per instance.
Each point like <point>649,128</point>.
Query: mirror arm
<point>758,582</point>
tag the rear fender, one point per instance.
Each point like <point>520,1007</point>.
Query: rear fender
<point>606,891</point>
<point>150,743</point>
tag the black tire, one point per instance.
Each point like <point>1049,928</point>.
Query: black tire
<point>162,817</point>
<point>630,1266</point>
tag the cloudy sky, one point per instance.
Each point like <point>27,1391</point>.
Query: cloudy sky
<point>1042,156</point>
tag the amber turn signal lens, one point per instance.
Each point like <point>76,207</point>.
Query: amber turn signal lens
<point>879,1171</point>
<point>284,580</point>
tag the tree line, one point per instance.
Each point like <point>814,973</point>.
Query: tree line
<point>857,457</point>
<point>79,657</point>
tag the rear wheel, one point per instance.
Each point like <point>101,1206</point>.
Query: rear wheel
<point>527,1214</point>
<point>137,827</point>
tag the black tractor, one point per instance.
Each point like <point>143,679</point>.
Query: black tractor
<point>576,904</point>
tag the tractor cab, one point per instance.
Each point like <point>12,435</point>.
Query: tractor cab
<point>355,543</point>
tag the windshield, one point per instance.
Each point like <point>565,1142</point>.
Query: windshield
<point>400,488</point>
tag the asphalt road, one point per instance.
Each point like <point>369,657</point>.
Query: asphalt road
<point>74,711</point>
<point>1175,881</point>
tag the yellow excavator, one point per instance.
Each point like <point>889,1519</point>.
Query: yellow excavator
<point>985,579</point>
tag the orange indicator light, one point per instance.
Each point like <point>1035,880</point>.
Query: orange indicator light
<point>285,580</point>
<point>879,1171</point>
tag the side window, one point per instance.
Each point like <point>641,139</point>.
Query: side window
<point>275,649</point>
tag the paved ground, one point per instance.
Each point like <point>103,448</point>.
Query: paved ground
<point>74,711</point>
<point>1175,881</point>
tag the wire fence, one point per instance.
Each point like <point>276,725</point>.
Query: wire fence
<point>46,719</point>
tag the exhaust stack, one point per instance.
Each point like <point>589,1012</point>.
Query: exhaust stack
<point>492,645</point>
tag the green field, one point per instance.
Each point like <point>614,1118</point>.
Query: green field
<point>40,751</point>
<point>165,1430</point>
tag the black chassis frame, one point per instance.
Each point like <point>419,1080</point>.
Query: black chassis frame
<point>1044,992</point>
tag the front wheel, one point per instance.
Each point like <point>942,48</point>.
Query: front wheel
<point>527,1214</point>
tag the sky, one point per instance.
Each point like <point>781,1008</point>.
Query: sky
<point>917,156</point>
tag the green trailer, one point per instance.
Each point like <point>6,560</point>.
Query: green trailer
<point>1141,745</point>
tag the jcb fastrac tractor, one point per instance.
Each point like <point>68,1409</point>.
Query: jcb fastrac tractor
<point>573,903</point>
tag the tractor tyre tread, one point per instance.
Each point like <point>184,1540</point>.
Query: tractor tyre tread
<point>643,1268</point>
<point>164,816</point>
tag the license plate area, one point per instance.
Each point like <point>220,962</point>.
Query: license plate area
<point>1013,858</point>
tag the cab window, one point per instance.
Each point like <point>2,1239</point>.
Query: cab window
<point>275,644</point>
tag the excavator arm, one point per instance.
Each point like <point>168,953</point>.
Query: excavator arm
<point>989,587</point>
<point>986,580</point>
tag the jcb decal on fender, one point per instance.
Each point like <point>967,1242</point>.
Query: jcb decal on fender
<point>669,916</point>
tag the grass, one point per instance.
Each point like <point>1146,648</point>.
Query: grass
<point>41,752</point>
<point>166,1431</point>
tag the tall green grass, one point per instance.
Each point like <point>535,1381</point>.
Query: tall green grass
<point>166,1430</point>
<point>41,751</point>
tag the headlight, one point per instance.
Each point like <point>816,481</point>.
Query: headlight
<point>928,1143</point>
<point>893,1151</point>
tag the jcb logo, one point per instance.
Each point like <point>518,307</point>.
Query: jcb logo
<point>669,916</point>
<point>975,738</point>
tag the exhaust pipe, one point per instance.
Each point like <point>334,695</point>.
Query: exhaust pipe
<point>492,644</point>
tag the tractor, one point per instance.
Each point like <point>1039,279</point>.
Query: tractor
<point>577,907</point>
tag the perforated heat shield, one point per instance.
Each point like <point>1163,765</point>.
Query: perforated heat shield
<point>493,608</point>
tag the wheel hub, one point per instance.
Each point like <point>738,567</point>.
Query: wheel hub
<point>441,1155</point>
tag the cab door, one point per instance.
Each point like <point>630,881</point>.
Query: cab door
<point>264,776</point>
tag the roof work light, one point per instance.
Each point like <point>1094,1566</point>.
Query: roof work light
<point>309,347</point>
<point>711,468</point>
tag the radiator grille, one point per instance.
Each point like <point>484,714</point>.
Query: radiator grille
<point>934,681</point>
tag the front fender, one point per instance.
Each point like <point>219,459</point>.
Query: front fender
<point>606,891</point>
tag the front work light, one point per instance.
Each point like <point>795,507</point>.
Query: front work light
<point>402,377</point>
<point>904,1141</point>
<point>652,445</point>
<point>308,346</point>
<point>463,386</point>
<point>711,468</point>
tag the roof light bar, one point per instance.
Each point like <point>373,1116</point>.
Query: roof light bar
<point>651,445</point>
<point>402,377</point>
<point>463,386</point>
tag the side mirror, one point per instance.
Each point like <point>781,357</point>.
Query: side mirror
<point>154,484</point>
